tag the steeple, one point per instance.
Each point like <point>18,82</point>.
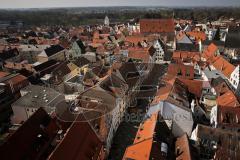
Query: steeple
<point>106,21</point>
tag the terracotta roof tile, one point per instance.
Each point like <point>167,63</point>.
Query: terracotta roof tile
<point>198,35</point>
<point>194,86</point>
<point>80,142</point>
<point>142,145</point>
<point>185,55</point>
<point>17,79</point>
<point>223,65</point>
<point>164,90</point>
<point>139,53</point>
<point>135,39</point>
<point>228,99</point>
<point>3,74</point>
<point>182,148</point>
<point>181,70</point>
<point>218,61</point>
<point>157,25</point>
<point>210,51</point>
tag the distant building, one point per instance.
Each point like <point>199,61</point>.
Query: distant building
<point>159,53</point>
<point>157,26</point>
<point>106,21</point>
<point>77,50</point>
<point>164,27</point>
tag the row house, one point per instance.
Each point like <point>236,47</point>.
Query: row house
<point>164,27</point>
<point>160,52</point>
<point>172,101</point>
<point>110,93</point>
<point>217,62</point>
<point>133,74</point>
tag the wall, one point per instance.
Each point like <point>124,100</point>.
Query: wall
<point>42,59</point>
<point>234,80</point>
<point>182,119</point>
<point>19,114</point>
<point>18,66</point>
<point>213,116</point>
<point>60,56</point>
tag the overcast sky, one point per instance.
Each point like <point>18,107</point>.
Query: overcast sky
<point>85,3</point>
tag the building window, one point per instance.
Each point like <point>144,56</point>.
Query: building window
<point>179,72</point>
<point>187,73</point>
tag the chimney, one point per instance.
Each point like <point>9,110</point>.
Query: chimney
<point>56,78</point>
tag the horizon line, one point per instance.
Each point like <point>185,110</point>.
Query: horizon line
<point>112,6</point>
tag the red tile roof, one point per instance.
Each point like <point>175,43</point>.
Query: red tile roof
<point>142,145</point>
<point>181,70</point>
<point>218,61</point>
<point>210,51</point>
<point>194,86</point>
<point>185,55</point>
<point>139,53</point>
<point>182,148</point>
<point>164,91</point>
<point>80,142</point>
<point>25,143</point>
<point>17,82</point>
<point>223,65</point>
<point>3,74</point>
<point>135,39</point>
<point>157,25</point>
<point>198,35</point>
<point>228,99</point>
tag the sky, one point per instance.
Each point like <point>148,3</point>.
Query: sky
<point>87,3</point>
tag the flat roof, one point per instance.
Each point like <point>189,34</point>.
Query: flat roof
<point>36,96</point>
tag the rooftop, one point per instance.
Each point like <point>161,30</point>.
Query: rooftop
<point>35,96</point>
<point>157,25</point>
<point>182,148</point>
